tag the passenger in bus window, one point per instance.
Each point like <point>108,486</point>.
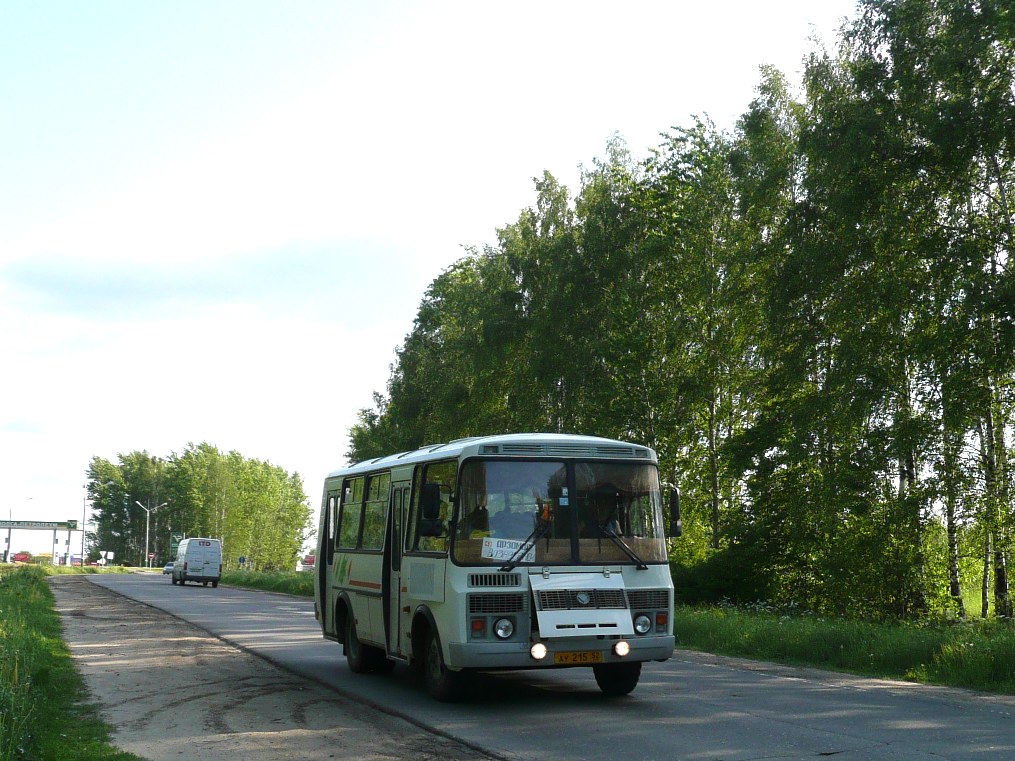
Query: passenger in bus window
<point>477,524</point>
<point>512,523</point>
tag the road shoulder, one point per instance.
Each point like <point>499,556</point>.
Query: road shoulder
<point>172,691</point>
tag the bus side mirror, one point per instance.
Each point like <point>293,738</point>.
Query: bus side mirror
<point>430,502</point>
<point>430,523</point>
<point>676,525</point>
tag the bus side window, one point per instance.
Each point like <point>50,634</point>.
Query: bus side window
<point>444,474</point>
<point>375,511</point>
<point>412,520</point>
<point>352,513</point>
<point>332,519</point>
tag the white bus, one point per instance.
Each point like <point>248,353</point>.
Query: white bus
<point>518,551</point>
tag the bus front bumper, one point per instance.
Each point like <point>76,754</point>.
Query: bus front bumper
<point>505,655</point>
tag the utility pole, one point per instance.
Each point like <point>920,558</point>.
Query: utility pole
<point>84,516</point>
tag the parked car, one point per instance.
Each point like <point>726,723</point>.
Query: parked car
<point>167,569</point>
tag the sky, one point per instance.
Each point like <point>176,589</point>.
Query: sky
<point>218,218</point>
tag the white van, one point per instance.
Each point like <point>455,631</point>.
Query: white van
<point>198,559</point>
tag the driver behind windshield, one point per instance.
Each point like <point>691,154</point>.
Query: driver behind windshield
<point>600,515</point>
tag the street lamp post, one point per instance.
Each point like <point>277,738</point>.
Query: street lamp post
<point>147,520</point>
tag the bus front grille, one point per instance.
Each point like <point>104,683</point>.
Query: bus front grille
<point>497,603</point>
<point>649,599</point>
<point>573,599</point>
<point>494,579</point>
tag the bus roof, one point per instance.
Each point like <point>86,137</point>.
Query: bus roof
<point>511,444</point>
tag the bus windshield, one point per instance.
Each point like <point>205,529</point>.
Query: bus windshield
<point>584,512</point>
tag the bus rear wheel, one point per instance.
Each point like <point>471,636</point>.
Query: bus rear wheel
<point>617,679</point>
<point>443,684</point>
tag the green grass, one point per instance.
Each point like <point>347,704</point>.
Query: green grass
<point>975,654</point>
<point>45,711</point>
<point>287,582</point>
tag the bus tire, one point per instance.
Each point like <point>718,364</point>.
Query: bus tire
<point>362,658</point>
<point>443,684</point>
<point>354,651</point>
<point>617,679</point>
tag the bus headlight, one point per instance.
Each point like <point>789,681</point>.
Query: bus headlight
<point>642,623</point>
<point>538,651</point>
<point>621,648</point>
<point>504,628</point>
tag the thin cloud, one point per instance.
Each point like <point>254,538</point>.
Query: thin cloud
<point>287,280</point>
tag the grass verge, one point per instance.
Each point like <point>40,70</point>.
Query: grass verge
<point>291,582</point>
<point>975,654</point>
<point>45,709</point>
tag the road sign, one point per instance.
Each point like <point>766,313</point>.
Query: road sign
<point>72,525</point>
<point>175,538</point>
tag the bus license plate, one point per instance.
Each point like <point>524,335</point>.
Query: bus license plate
<point>579,657</point>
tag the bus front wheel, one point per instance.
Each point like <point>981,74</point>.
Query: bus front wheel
<point>443,684</point>
<point>616,679</point>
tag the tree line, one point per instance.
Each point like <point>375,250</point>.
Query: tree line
<point>257,509</point>
<point>809,316</point>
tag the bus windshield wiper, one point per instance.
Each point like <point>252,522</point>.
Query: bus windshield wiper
<point>607,530</point>
<point>542,526</point>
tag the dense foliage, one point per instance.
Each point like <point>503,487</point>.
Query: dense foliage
<point>809,317</point>
<point>258,510</point>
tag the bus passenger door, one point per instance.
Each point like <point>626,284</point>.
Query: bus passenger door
<point>325,563</point>
<point>391,589</point>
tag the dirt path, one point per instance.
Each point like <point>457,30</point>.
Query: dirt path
<point>173,692</point>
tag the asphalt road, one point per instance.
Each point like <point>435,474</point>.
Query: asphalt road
<point>691,707</point>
